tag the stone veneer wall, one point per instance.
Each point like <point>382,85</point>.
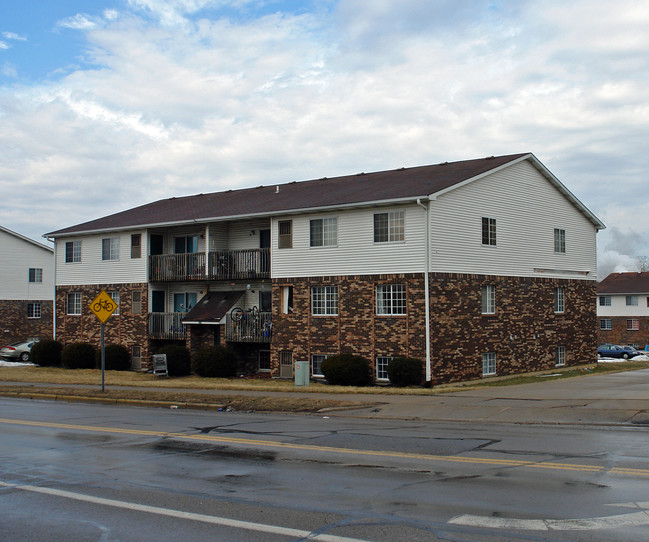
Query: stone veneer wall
<point>524,332</point>
<point>15,326</point>
<point>621,335</point>
<point>126,328</point>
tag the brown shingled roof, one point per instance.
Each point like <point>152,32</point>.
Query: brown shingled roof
<point>625,283</point>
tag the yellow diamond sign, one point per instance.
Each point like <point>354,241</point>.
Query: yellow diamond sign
<point>103,306</point>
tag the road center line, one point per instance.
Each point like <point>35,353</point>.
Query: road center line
<point>215,520</point>
<point>346,451</point>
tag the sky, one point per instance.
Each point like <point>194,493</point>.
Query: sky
<point>110,104</point>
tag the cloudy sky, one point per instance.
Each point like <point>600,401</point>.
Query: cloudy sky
<point>108,104</point>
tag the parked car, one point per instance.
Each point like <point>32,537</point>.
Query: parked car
<point>617,351</point>
<point>17,351</point>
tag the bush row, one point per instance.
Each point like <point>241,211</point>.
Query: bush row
<point>220,361</point>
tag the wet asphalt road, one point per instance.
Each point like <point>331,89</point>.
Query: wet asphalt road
<point>88,472</point>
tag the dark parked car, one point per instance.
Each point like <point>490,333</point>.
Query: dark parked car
<point>617,351</point>
<point>17,351</point>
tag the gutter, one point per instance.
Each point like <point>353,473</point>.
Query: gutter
<point>426,208</point>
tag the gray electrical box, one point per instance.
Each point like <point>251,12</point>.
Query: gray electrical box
<point>301,373</point>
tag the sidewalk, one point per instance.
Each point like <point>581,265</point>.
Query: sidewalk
<point>614,398</point>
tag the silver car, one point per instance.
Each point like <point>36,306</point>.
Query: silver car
<point>18,351</point>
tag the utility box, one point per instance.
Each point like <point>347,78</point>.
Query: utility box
<point>301,373</point>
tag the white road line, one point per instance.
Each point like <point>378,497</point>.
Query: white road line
<point>215,520</point>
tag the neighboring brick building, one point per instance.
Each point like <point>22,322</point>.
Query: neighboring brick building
<point>478,267</point>
<point>26,288</point>
<point>623,309</point>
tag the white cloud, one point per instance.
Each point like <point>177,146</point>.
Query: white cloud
<point>80,21</point>
<point>13,36</point>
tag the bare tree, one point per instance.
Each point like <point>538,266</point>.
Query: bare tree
<point>643,263</point>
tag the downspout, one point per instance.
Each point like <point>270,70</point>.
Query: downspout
<point>426,207</point>
<point>207,252</point>
<point>54,298</point>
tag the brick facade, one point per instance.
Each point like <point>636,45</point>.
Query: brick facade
<point>17,326</point>
<point>619,334</point>
<point>523,333</point>
<point>126,328</point>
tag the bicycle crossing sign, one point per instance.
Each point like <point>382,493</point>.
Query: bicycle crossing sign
<point>103,306</point>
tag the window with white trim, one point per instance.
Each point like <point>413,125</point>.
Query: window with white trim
<point>324,300</point>
<point>559,300</point>
<point>136,245</point>
<point>73,252</point>
<point>632,301</point>
<point>606,324</point>
<point>115,297</point>
<point>488,231</point>
<point>391,299</point>
<point>559,240</point>
<point>489,364</point>
<point>323,232</point>
<point>74,303</point>
<point>34,310</point>
<point>35,274</point>
<point>285,234</point>
<point>110,248</point>
<point>604,300</point>
<point>488,299</point>
<point>136,302</point>
<point>316,363</point>
<point>633,324</point>
<point>382,363</point>
<point>560,356</point>
<point>389,227</point>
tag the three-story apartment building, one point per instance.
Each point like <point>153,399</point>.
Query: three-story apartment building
<point>477,267</point>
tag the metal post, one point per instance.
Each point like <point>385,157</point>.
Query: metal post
<point>103,357</point>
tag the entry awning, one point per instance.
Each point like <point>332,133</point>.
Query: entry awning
<point>212,307</point>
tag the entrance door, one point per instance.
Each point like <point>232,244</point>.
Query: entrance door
<point>156,246</point>
<point>286,364</point>
<point>157,301</point>
<point>264,242</point>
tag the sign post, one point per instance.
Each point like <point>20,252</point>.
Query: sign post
<point>103,306</point>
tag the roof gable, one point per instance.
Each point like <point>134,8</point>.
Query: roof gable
<point>26,239</point>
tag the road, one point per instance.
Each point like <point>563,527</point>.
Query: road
<point>105,473</point>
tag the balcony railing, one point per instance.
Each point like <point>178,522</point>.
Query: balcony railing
<point>167,325</point>
<point>250,329</point>
<point>222,265</point>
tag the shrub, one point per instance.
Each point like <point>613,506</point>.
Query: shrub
<point>47,353</point>
<point>178,360</point>
<point>404,371</point>
<point>117,358</point>
<point>215,361</point>
<point>78,356</point>
<point>347,370</point>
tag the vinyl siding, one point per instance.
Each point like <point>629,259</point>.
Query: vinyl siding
<point>93,270</point>
<point>619,307</point>
<point>527,209</point>
<point>356,252</point>
<point>18,256</point>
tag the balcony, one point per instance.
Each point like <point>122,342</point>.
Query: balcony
<point>250,329</point>
<point>167,325</point>
<point>222,265</point>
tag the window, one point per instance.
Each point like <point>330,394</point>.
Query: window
<point>488,299</point>
<point>632,301</point>
<point>73,252</point>
<point>606,324</point>
<point>114,295</point>
<point>488,231</point>
<point>633,324</point>
<point>560,356</point>
<point>391,299</point>
<point>324,232</point>
<point>324,300</point>
<point>285,234</point>
<point>559,299</point>
<point>136,302</point>
<point>136,245</point>
<point>110,248</point>
<point>187,244</point>
<point>489,364</point>
<point>33,310</point>
<point>287,299</point>
<point>382,363</point>
<point>264,361</point>
<point>136,357</point>
<point>184,302</point>
<point>559,240</point>
<point>389,227</point>
<point>35,274</point>
<point>316,364</point>
<point>265,301</point>
<point>74,303</point>
<point>604,300</point>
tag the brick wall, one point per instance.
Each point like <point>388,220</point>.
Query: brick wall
<point>15,326</point>
<point>126,328</point>
<point>524,332</point>
<point>619,334</point>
